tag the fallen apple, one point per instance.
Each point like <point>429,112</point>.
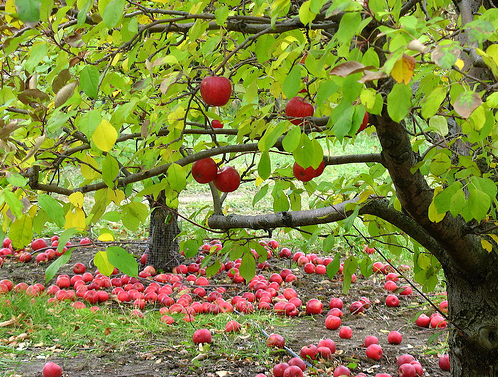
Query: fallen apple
<point>202,336</point>
<point>51,369</point>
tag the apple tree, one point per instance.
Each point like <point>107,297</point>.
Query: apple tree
<point>104,100</point>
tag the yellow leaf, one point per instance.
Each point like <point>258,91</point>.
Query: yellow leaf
<point>116,196</point>
<point>105,136</point>
<point>106,237</point>
<point>75,219</point>
<point>494,237</point>
<point>490,58</point>
<point>259,180</point>
<point>434,215</point>
<point>403,69</point>
<point>86,171</point>
<point>76,199</point>
<point>365,195</point>
<point>460,64</point>
<point>486,245</point>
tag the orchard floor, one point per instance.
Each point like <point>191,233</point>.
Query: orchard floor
<point>169,357</point>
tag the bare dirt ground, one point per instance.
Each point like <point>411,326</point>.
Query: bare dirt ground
<point>138,358</point>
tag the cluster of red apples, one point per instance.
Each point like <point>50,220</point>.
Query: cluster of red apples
<point>188,292</point>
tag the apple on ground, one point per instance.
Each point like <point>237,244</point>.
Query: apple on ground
<point>341,370</point>
<point>227,179</point>
<point>325,353</point>
<point>297,361</point>
<point>423,320</point>
<point>314,306</point>
<point>293,371</point>
<point>332,322</point>
<point>444,362</point>
<point>394,337</point>
<point>335,302</point>
<point>345,332</point>
<point>370,339</point>
<point>279,369</point>
<point>407,370</point>
<point>392,301</point>
<point>51,369</point>
<point>79,268</point>
<point>329,343</point>
<point>356,307</point>
<point>232,326</point>
<point>85,241</point>
<point>202,336</point>
<point>276,341</point>
<point>38,244</point>
<point>216,90</point>
<point>374,352</point>
<point>405,359</point>
<point>309,352</point>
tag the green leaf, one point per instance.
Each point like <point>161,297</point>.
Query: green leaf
<point>347,27</point>
<point>260,194</point>
<point>102,263</point>
<point>344,121</point>
<point>439,123</point>
<point>440,164</point>
<point>442,201</point>
<point>247,266</point>
<point>177,177</point>
<point>125,262</point>
<point>479,203</point>
<point>433,102</point>
<point>221,15</point>
<point>21,232</point>
<point>328,243</point>
<point>28,10</point>
<point>237,251</point>
<point>113,12</point>
<point>292,82</point>
<point>65,237</point>
<point>15,205</point>
<point>53,209</point>
<point>190,248</point>
<point>333,267</point>
<point>264,166</point>
<point>89,122</point>
<point>291,141</point>
<point>271,136</point>
<point>457,202</point>
<point>305,14</point>
<point>110,170</point>
<point>348,222</point>
<point>213,269</point>
<point>399,102</point>
<point>89,80</point>
<point>366,266</point>
<point>133,214</point>
<point>304,154</point>
<point>56,265</point>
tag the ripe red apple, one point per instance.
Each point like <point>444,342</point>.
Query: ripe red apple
<point>370,339</point>
<point>423,320</point>
<point>285,253</point>
<point>364,123</point>
<point>345,332</point>
<point>325,353</point>
<point>378,267</point>
<point>329,343</point>
<point>314,306</point>
<point>25,257</point>
<point>356,307</point>
<point>202,336</point>
<point>305,175</point>
<point>438,321</point>
<point>390,286</point>
<point>336,302</point>
<point>216,124</point>
<point>216,90</point>
<point>320,269</point>
<point>444,362</point>
<point>232,326</point>
<point>227,179</point>
<point>341,370</point>
<point>276,341</point>
<point>392,301</point>
<point>309,352</point>
<point>85,241</point>
<point>6,242</point>
<point>405,359</point>
<point>38,244</point>
<point>309,268</point>
<point>293,371</point>
<point>297,361</point>
<point>79,268</point>
<point>443,306</point>
<point>374,352</point>
<point>332,322</point>
<point>368,250</point>
<point>406,290</point>
<point>394,337</point>
<point>279,369</point>
<point>407,370</point>
<point>298,108</point>
<point>418,368</point>
<point>205,170</point>
<point>51,369</point>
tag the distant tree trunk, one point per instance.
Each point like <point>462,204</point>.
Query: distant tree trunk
<point>164,250</point>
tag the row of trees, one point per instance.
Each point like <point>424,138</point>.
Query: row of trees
<point>109,89</point>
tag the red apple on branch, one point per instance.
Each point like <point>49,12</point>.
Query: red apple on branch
<point>205,170</point>
<point>298,108</point>
<point>216,90</point>
<point>227,179</point>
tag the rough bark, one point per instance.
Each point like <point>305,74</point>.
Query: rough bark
<point>164,250</point>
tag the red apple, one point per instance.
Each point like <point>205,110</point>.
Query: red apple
<point>345,332</point>
<point>85,241</point>
<point>356,307</point>
<point>309,352</point>
<point>320,269</point>
<point>215,90</point>
<point>405,359</point>
<point>332,322</point>
<point>205,170</point>
<point>325,353</point>
<point>444,362</point>
<point>293,371</point>
<point>370,339</point>
<point>368,250</point>
<point>378,267</point>
<point>232,326</point>
<point>341,370</point>
<point>418,368</point>
<point>298,108</point>
<point>329,343</point>
<point>227,179</point>
<point>25,257</point>
<point>423,320</point>
<point>51,369</point>
<point>336,302</point>
<point>392,301</point>
<point>374,352</point>
<point>390,286</point>
<point>309,268</point>
<point>443,306</point>
<point>216,124</point>
<point>38,244</point>
<point>314,306</point>
<point>297,361</point>
<point>202,336</point>
<point>285,253</point>
<point>279,369</point>
<point>438,321</point>
<point>79,268</point>
<point>406,290</point>
<point>407,370</point>
<point>394,337</point>
<point>276,341</point>
<point>304,175</point>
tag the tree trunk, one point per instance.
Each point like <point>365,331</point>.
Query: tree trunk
<point>164,250</point>
<point>473,309</point>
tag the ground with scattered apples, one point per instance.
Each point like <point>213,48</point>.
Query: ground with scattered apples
<point>174,358</point>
